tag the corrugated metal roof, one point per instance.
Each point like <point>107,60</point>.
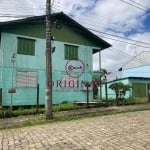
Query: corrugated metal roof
<point>142,59</point>
<point>130,78</point>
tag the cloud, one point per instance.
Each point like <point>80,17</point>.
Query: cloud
<point>107,16</point>
<point>115,18</point>
<point>22,8</point>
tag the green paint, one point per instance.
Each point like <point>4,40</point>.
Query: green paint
<point>71,52</point>
<point>138,84</point>
<point>73,35</point>
<point>27,96</point>
<point>68,32</point>
<point>25,46</point>
<point>64,34</point>
<point>139,89</point>
<point>31,30</point>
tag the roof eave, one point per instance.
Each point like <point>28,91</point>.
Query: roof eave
<point>100,42</point>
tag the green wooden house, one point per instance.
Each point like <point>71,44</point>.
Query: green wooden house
<point>22,60</point>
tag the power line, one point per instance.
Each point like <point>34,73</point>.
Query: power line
<point>115,36</point>
<point>106,22</point>
<point>143,9</point>
<point>124,42</point>
<point>103,19</point>
<point>13,8</point>
<point>125,55</point>
<point>100,20</point>
<point>129,56</point>
<point>102,35</point>
<point>118,36</point>
<point>139,4</point>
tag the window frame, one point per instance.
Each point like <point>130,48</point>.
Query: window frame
<point>71,52</point>
<point>25,46</point>
<point>26,79</point>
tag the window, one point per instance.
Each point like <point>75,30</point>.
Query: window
<point>26,79</point>
<point>71,52</point>
<point>26,46</point>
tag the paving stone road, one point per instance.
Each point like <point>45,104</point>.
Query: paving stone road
<point>125,131</point>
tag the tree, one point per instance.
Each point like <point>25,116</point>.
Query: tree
<point>120,90</point>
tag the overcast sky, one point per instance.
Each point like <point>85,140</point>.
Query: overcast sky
<point>129,19</point>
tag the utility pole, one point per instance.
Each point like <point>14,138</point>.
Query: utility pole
<point>106,92</point>
<point>48,98</point>
<point>100,88</point>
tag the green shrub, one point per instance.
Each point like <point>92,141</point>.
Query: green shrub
<point>65,106</point>
<point>137,100</point>
<point>22,111</point>
<point>6,113</point>
<point>129,101</point>
<point>64,102</point>
<point>18,112</point>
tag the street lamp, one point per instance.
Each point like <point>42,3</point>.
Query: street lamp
<point>12,89</point>
<point>13,58</point>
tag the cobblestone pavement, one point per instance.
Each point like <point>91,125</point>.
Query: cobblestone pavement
<point>125,131</point>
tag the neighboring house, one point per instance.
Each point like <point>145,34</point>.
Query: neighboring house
<point>72,62</point>
<point>136,73</point>
<point>139,66</point>
<point>140,86</point>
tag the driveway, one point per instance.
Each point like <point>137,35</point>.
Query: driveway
<point>125,131</point>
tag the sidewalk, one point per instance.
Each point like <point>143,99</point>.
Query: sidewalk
<point>7,122</point>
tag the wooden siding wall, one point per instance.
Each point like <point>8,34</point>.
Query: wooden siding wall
<point>139,90</point>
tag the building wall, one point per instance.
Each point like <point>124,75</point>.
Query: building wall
<point>72,34</point>
<point>142,71</point>
<point>1,60</point>
<point>111,93</point>
<point>27,96</point>
<point>139,88</point>
<point>23,63</point>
